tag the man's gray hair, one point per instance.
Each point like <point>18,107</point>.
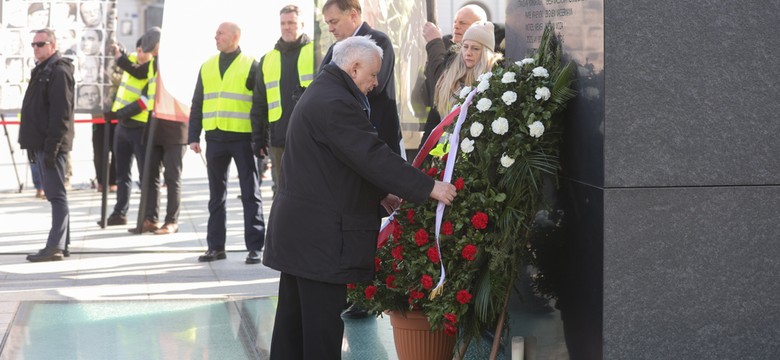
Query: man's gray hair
<point>355,48</point>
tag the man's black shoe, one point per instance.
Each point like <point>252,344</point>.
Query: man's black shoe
<point>212,255</point>
<point>45,254</point>
<point>354,312</point>
<point>253,257</point>
<point>116,219</point>
<point>66,253</point>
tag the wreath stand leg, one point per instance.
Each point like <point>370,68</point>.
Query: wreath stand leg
<point>500,326</point>
<point>463,348</point>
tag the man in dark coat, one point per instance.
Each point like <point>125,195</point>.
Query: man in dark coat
<point>335,174</point>
<point>47,130</point>
<point>344,19</point>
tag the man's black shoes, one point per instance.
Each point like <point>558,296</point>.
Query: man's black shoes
<point>45,254</point>
<point>212,255</point>
<point>253,257</point>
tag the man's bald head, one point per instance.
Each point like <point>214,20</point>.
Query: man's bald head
<point>466,16</point>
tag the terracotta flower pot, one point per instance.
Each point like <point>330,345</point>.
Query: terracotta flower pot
<point>414,339</point>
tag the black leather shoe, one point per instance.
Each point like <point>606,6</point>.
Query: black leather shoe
<point>354,312</point>
<point>253,257</point>
<point>45,254</point>
<point>116,219</point>
<point>66,253</point>
<point>212,255</point>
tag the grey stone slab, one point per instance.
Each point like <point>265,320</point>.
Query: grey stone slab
<point>692,94</point>
<point>691,273</point>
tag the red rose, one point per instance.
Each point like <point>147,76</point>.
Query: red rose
<point>459,184</point>
<point>468,252</point>
<point>415,295</point>
<point>479,220</point>
<point>421,237</point>
<point>426,281</point>
<point>410,215</point>
<point>389,281</point>
<point>376,263</point>
<point>463,296</point>
<point>450,330</point>
<point>370,291</point>
<point>432,172</point>
<point>351,286</point>
<point>398,252</point>
<point>433,254</point>
<point>451,317</point>
<point>446,228</point>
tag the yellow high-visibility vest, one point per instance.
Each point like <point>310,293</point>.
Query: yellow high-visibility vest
<point>226,100</point>
<point>272,73</point>
<point>130,89</point>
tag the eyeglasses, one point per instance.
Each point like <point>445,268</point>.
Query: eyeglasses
<point>40,43</point>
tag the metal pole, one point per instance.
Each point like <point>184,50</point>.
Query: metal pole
<point>431,8</point>
<point>11,148</point>
<point>106,172</point>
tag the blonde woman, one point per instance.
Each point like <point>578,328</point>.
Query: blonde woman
<point>476,56</point>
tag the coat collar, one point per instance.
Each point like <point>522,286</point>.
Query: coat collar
<point>347,82</point>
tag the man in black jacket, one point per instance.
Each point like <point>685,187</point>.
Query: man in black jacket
<point>47,130</point>
<point>345,19</point>
<point>282,76</point>
<point>336,174</point>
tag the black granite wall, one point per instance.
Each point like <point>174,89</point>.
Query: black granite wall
<point>671,187</point>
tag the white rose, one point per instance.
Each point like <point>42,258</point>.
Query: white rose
<point>508,78</point>
<point>485,77</point>
<point>465,92</point>
<point>524,62</point>
<point>509,97</point>
<point>482,86</point>
<point>476,129</point>
<point>542,93</point>
<point>467,145</point>
<point>536,129</point>
<point>540,72</point>
<point>506,161</point>
<point>500,126</point>
<point>484,104</point>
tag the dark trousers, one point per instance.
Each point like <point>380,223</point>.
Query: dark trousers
<point>97,153</point>
<point>127,144</point>
<point>54,185</point>
<point>218,157</point>
<point>168,157</point>
<point>308,321</point>
<point>276,166</point>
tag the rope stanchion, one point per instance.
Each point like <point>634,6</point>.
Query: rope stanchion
<point>11,148</point>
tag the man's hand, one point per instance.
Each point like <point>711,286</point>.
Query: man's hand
<point>390,203</point>
<point>50,160</point>
<point>444,192</point>
<point>195,147</point>
<point>431,32</point>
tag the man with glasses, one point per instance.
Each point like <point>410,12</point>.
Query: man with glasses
<point>47,130</point>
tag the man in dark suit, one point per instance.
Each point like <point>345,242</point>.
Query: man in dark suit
<point>335,174</point>
<point>344,19</point>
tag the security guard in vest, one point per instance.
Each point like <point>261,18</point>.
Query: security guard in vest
<point>284,73</point>
<point>221,106</point>
<point>131,106</point>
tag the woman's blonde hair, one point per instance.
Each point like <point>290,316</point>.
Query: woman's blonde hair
<point>457,75</point>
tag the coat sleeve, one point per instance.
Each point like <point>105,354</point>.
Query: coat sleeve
<point>138,71</point>
<point>259,112</point>
<point>60,98</point>
<point>196,113</point>
<point>434,67</point>
<point>354,141</point>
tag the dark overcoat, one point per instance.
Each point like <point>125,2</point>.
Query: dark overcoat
<point>324,223</point>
